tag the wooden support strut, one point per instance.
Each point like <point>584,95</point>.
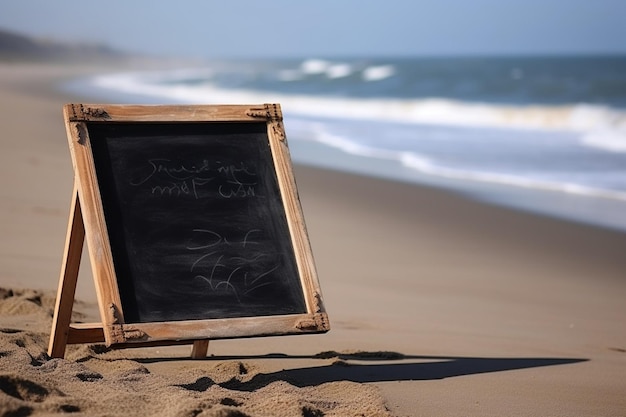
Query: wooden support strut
<point>63,331</point>
<point>67,283</point>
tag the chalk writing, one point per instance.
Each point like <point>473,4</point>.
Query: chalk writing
<point>237,189</point>
<point>168,178</point>
<point>171,170</point>
<point>230,266</point>
<point>240,181</point>
<point>175,189</point>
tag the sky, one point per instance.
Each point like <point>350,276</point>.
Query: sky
<point>327,28</point>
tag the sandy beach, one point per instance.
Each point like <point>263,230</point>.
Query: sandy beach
<point>439,305</point>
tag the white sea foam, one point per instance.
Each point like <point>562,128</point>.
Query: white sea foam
<point>349,146</point>
<point>608,140</point>
<point>338,71</point>
<point>314,66</point>
<point>603,127</point>
<point>378,72</point>
<point>334,70</point>
<point>430,167</point>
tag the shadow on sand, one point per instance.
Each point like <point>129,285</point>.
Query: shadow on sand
<point>358,367</point>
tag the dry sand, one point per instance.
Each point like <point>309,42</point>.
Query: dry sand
<point>439,305</point>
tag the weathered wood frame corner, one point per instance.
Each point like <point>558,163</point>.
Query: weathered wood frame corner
<point>87,222</point>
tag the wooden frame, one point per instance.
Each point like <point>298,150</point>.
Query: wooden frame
<point>87,221</point>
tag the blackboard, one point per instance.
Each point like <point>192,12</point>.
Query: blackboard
<point>195,219</point>
<point>193,216</point>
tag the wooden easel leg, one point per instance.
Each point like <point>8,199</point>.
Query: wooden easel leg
<point>200,349</point>
<point>74,241</point>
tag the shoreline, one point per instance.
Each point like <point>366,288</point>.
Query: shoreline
<point>570,207</point>
<point>438,304</point>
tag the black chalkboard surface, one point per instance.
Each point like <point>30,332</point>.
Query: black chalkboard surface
<point>195,219</point>
<point>193,224</point>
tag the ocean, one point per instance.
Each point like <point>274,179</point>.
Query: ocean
<point>540,134</point>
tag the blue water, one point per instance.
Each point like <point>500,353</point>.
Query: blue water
<point>541,134</point>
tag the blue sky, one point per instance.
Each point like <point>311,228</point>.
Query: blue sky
<point>242,28</point>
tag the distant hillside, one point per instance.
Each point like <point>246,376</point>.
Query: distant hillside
<point>14,46</point>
